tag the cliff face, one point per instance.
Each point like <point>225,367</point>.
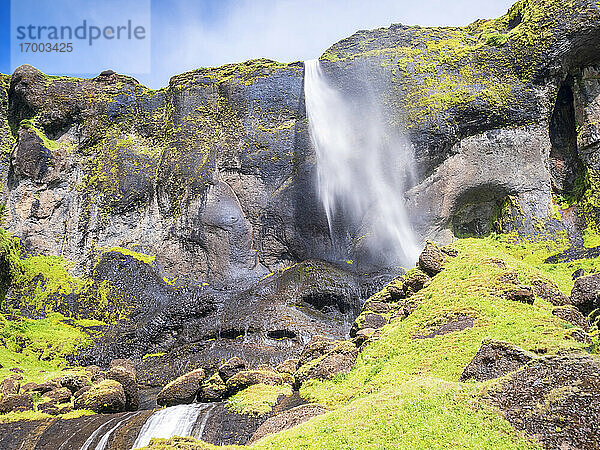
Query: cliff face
<point>214,175</point>
<point>502,113</point>
<point>211,174</point>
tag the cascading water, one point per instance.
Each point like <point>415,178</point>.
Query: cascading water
<point>177,420</point>
<point>364,170</point>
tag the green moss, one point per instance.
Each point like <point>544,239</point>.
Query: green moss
<point>258,399</point>
<point>39,347</point>
<point>41,283</point>
<point>490,63</point>
<point>148,259</point>
<point>36,415</point>
<point>48,143</point>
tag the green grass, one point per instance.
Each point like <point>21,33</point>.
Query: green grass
<point>258,399</point>
<point>39,347</point>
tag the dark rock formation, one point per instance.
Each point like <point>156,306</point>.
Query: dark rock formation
<point>573,316</point>
<point>182,390</point>
<point>123,371</point>
<point>585,293</point>
<point>339,359</point>
<point>431,259</point>
<point>16,403</point>
<point>213,390</point>
<point>554,400</point>
<point>495,359</point>
<point>231,367</point>
<point>247,378</point>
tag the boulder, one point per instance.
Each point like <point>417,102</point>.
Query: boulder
<point>288,366</point>
<point>123,371</point>
<point>108,396</point>
<point>340,359</point>
<point>16,403</point>
<point>247,378</point>
<point>60,395</point>
<point>182,390</point>
<point>213,390</point>
<point>231,367</point>
<point>74,380</point>
<point>495,359</point>
<point>413,282</point>
<point>287,419</point>
<point>41,388</point>
<point>573,316</point>
<point>584,294</point>
<point>315,348</point>
<point>368,320</point>
<point>577,334</point>
<point>9,386</point>
<point>523,294</point>
<point>554,399</point>
<point>431,259</point>
<point>377,307</point>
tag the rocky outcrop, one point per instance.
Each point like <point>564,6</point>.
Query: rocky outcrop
<point>495,359</point>
<point>123,371</point>
<point>231,367</point>
<point>553,400</point>
<point>247,378</point>
<point>339,358</point>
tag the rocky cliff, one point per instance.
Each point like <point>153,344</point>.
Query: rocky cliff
<point>166,211</point>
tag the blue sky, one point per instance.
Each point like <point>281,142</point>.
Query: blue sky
<point>186,34</point>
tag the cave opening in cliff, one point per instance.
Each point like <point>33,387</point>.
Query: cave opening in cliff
<point>565,165</point>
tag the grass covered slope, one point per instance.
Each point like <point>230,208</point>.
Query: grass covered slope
<point>403,392</point>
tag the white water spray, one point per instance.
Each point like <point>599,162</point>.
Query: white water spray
<point>364,170</point>
<point>173,421</point>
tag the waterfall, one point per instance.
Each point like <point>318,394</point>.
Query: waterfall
<point>364,169</point>
<point>177,420</point>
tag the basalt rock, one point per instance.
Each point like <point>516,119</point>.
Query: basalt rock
<point>231,367</point>
<point>123,371</point>
<point>60,395</point>
<point>213,390</point>
<point>288,366</point>
<point>339,359</point>
<point>9,386</point>
<point>287,419</point>
<point>431,259</point>
<point>16,403</point>
<point>247,378</point>
<point>573,316</point>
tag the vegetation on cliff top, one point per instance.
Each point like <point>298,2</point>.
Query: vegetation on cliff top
<point>490,62</point>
